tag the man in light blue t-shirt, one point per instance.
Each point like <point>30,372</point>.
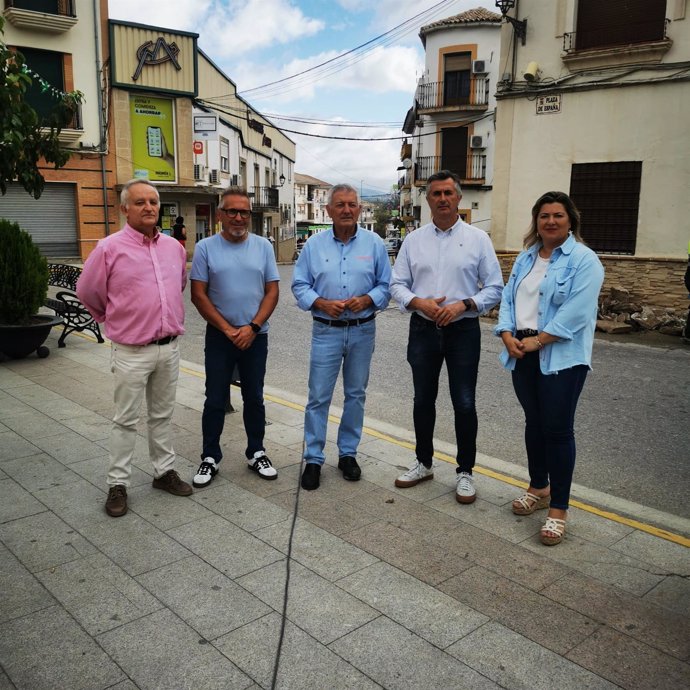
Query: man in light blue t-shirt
<point>235,288</point>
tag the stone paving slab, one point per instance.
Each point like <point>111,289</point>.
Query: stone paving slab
<point>186,592</point>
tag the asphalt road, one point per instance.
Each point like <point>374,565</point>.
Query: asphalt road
<point>633,420</point>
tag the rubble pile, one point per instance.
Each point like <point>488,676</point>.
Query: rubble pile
<point>620,313</point>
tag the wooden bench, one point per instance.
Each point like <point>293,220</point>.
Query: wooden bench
<point>66,304</point>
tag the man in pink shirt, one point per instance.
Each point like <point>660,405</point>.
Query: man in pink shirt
<point>133,281</point>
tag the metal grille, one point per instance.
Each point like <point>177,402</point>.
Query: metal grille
<point>608,197</point>
<point>51,220</point>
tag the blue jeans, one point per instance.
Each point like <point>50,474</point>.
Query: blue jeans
<point>351,346</point>
<point>221,356</point>
<point>459,346</point>
<point>549,403</point>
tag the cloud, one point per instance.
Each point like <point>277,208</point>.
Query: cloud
<point>384,70</point>
<point>158,12</point>
<point>371,164</point>
<point>257,24</point>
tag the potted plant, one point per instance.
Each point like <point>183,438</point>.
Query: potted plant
<point>23,289</point>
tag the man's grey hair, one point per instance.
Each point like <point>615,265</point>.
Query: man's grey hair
<point>235,191</point>
<point>124,194</point>
<point>343,187</point>
<point>444,175</point>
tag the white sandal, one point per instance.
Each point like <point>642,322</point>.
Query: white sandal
<point>528,503</point>
<point>552,526</point>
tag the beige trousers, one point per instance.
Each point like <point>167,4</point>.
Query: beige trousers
<point>150,369</point>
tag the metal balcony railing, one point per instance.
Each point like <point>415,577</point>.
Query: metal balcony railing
<point>474,168</point>
<point>63,8</point>
<point>623,34</point>
<point>441,94</point>
<point>264,198</point>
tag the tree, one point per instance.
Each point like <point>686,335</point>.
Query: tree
<point>26,137</point>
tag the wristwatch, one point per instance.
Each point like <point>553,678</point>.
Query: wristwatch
<point>254,326</point>
<point>468,304</point>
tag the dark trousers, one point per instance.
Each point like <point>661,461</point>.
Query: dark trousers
<point>221,356</point>
<point>549,403</point>
<point>459,346</point>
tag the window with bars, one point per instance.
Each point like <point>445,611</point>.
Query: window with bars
<point>619,22</point>
<point>608,197</point>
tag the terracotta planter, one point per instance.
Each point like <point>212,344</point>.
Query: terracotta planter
<point>20,341</point>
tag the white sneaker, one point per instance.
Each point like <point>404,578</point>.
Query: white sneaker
<point>206,472</point>
<point>417,473</point>
<point>465,491</point>
<point>262,465</point>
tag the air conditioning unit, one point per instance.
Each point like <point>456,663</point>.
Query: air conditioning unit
<point>214,176</point>
<point>199,172</point>
<point>479,67</point>
<point>477,142</point>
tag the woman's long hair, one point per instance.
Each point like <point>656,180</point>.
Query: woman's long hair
<point>532,237</point>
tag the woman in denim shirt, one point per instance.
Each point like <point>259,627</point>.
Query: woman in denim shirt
<point>547,320</point>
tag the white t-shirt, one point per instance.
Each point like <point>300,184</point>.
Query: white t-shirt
<point>527,297</point>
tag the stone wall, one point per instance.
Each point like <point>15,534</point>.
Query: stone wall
<point>652,282</point>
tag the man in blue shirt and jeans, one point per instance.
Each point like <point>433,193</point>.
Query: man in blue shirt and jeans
<point>446,274</point>
<point>342,277</point>
<point>235,288</point>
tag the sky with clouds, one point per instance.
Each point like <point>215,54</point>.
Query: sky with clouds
<point>258,42</point>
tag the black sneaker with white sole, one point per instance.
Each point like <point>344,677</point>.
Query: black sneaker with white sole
<point>206,472</point>
<point>260,464</point>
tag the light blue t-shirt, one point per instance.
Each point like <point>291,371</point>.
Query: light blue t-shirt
<point>236,274</point>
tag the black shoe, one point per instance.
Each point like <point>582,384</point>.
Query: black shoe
<point>350,468</point>
<point>311,476</point>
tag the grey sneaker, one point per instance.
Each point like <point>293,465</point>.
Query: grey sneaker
<point>417,473</point>
<point>464,490</point>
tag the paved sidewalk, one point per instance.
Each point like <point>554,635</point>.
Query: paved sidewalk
<point>390,588</point>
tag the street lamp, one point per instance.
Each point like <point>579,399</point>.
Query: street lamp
<point>281,179</point>
<point>519,27</point>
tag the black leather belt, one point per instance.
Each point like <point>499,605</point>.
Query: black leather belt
<point>466,324</point>
<point>162,341</point>
<point>526,333</point>
<point>341,323</point>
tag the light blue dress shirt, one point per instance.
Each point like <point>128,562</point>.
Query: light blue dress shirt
<point>568,298</point>
<point>330,269</point>
<point>459,263</point>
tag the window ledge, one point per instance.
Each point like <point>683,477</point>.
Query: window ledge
<point>67,136</point>
<point>615,56</point>
<point>39,21</point>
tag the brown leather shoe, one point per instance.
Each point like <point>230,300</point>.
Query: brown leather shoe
<point>116,503</point>
<point>172,483</point>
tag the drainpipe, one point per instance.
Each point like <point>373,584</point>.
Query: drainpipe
<point>101,123</point>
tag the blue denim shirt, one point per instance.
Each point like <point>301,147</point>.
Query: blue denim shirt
<point>568,298</point>
<point>330,269</point>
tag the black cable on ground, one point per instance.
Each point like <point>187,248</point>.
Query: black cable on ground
<point>283,619</point>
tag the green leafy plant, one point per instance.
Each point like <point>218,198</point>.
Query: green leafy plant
<point>25,138</point>
<point>23,275</point>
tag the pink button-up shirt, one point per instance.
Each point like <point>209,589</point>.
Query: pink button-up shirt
<point>134,284</point>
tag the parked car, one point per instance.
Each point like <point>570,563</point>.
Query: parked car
<point>392,245</point>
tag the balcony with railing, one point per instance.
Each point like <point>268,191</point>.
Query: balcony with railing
<point>627,43</point>
<point>472,172</point>
<point>53,16</point>
<point>264,199</point>
<point>452,95</point>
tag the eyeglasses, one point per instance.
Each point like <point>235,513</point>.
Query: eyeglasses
<point>234,211</point>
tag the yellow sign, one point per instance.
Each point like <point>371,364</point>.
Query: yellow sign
<point>153,138</point>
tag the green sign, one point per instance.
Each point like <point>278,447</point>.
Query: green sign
<point>153,138</point>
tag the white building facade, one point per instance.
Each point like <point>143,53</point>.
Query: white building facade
<point>595,104</point>
<point>452,120</point>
